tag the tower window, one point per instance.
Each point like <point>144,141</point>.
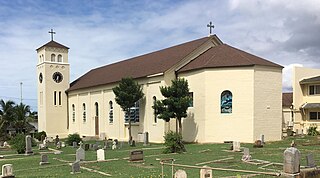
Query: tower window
<point>84,112</point>
<point>59,98</point>
<point>73,113</point>
<point>154,109</point>
<point>110,112</point>
<point>53,58</point>
<point>55,98</point>
<point>59,58</point>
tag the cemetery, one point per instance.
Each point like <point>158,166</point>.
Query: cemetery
<point>293,156</point>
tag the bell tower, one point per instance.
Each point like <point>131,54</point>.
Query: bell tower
<point>53,73</point>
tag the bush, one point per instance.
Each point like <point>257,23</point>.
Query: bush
<point>38,135</point>
<point>73,138</point>
<point>312,130</point>
<point>173,143</point>
<point>19,143</point>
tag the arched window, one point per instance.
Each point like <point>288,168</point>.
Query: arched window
<point>110,112</point>
<point>226,102</point>
<point>53,58</point>
<point>84,112</point>
<point>73,113</point>
<point>59,58</point>
<point>154,109</point>
<point>97,109</point>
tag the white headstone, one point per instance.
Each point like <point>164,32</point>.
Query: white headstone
<point>246,155</point>
<point>100,155</point>
<point>28,145</point>
<point>205,172</point>
<point>7,170</point>
<point>114,146</point>
<point>80,154</point>
<point>180,174</point>
<point>262,139</point>
<point>291,160</point>
<point>63,144</point>
<point>236,146</point>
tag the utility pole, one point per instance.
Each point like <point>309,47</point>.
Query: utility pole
<point>21,92</point>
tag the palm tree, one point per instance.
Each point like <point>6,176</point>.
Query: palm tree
<point>6,115</point>
<point>21,113</point>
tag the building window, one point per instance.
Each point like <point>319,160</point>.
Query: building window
<point>154,109</point>
<point>59,58</point>
<point>134,113</point>
<point>226,102</point>
<point>314,115</point>
<point>84,112</point>
<point>59,98</point>
<point>110,112</point>
<point>97,109</point>
<point>53,58</point>
<point>55,98</point>
<point>73,113</point>
<point>314,89</point>
<point>191,99</point>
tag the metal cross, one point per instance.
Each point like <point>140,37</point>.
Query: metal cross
<point>52,33</point>
<point>210,26</point>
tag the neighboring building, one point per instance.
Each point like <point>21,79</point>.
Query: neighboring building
<point>236,95</point>
<point>306,98</point>
<point>287,112</point>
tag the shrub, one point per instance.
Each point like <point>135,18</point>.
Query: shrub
<point>73,138</point>
<point>38,135</point>
<point>173,143</point>
<point>312,130</point>
<point>19,143</point>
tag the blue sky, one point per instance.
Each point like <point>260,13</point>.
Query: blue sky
<point>102,32</point>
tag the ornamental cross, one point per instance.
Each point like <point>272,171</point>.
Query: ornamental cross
<point>210,26</point>
<point>52,33</point>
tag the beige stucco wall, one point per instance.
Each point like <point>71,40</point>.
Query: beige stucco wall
<point>267,103</point>
<point>300,96</point>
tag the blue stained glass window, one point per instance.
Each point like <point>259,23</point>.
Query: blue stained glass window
<point>226,102</point>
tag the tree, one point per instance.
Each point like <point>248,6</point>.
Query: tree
<point>176,102</point>
<point>21,113</point>
<point>127,93</point>
<point>6,115</point>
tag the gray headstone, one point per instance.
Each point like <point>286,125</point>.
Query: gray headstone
<point>28,145</point>
<point>86,147</point>
<point>74,144</point>
<point>291,160</point>
<point>310,160</point>
<point>136,155</point>
<point>44,159</point>
<point>80,154</point>
<point>180,174</point>
<point>146,139</point>
<point>205,172</point>
<point>57,140</point>
<point>75,167</point>
<point>58,145</point>
<point>95,147</point>
<point>7,170</point>
<point>246,155</point>
<point>262,138</point>
<point>100,155</point>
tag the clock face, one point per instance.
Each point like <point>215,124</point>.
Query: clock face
<point>40,78</point>
<point>57,77</point>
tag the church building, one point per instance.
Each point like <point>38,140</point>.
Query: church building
<point>236,96</point>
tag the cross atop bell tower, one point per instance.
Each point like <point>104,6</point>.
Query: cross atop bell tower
<point>52,33</point>
<point>210,26</point>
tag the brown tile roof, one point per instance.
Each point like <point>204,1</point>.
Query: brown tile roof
<point>310,80</point>
<point>225,56</point>
<point>137,67</point>
<point>53,44</point>
<point>287,99</point>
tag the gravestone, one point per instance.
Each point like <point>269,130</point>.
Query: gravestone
<point>236,146</point>
<point>95,147</point>
<point>28,145</point>
<point>86,147</point>
<point>291,160</point>
<point>7,171</point>
<point>80,154</point>
<point>133,143</point>
<point>58,145</point>
<point>310,160</point>
<point>5,144</point>
<point>102,136</point>
<point>75,167</point>
<point>180,174</point>
<point>136,155</point>
<point>262,139</point>
<point>205,172</point>
<point>246,155</point>
<point>44,159</point>
<point>114,145</point>
<point>105,144</point>
<point>146,139</point>
<point>57,140</point>
<point>42,138</point>
<point>74,144</point>
<point>100,155</point>
<point>63,144</point>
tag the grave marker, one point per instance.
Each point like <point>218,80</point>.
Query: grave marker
<point>236,146</point>
<point>262,139</point>
<point>7,171</point>
<point>180,174</point>
<point>44,159</point>
<point>80,154</point>
<point>100,155</point>
<point>28,145</point>
<point>74,144</point>
<point>291,160</point>
<point>136,155</point>
<point>75,167</point>
<point>86,147</point>
<point>58,145</point>
<point>102,136</point>
<point>205,172</point>
<point>310,160</point>
<point>95,147</point>
<point>246,155</point>
<point>57,140</point>
<point>146,139</point>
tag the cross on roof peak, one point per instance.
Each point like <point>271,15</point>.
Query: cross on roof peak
<point>52,33</point>
<point>210,26</point>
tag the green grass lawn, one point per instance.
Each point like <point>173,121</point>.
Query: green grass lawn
<point>28,166</point>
